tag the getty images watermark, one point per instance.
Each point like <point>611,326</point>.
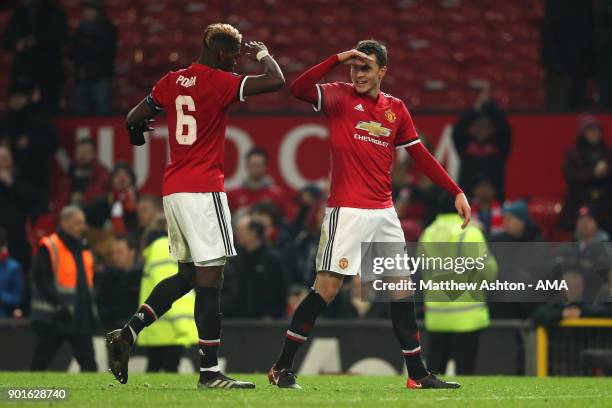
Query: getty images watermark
<point>494,272</point>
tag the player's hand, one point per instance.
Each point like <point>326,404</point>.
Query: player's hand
<point>354,57</point>
<point>137,131</point>
<point>463,208</point>
<point>253,48</point>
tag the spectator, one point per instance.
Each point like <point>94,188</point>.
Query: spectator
<point>150,208</point>
<point>351,305</point>
<point>63,307</point>
<point>11,281</point>
<point>454,321</point>
<point>124,198</point>
<point>31,135</point>
<point>277,235</point>
<point>307,244</point>
<point>166,340</point>
<point>603,45</point>
<point>305,199</point>
<point>124,272</point>
<point>574,306</point>
<point>588,172</point>
<point>94,44</point>
<point>517,226</point>
<point>482,137</point>
<point>486,210</point>
<point>36,35</point>
<point>19,201</point>
<point>255,282</point>
<point>587,256</point>
<point>120,206</point>
<point>258,186</point>
<point>567,52</point>
<point>87,180</point>
<point>535,260</point>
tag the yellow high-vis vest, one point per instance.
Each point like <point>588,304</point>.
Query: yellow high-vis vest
<point>176,326</point>
<point>463,312</point>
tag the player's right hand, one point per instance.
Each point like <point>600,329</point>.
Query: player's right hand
<point>253,47</point>
<point>137,132</point>
<point>354,57</point>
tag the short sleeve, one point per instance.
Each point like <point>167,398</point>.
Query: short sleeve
<point>329,97</point>
<point>406,133</point>
<point>230,87</point>
<point>158,97</point>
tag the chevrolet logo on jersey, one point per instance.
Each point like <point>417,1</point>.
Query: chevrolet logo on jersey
<point>374,129</point>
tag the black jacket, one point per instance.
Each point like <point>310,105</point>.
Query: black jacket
<point>94,45</point>
<point>254,285</point>
<point>483,158</point>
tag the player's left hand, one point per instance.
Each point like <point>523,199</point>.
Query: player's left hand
<point>253,47</point>
<point>463,208</point>
<point>137,132</point>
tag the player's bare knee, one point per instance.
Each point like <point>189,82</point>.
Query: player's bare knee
<point>327,285</point>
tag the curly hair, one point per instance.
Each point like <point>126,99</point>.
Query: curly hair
<point>221,35</point>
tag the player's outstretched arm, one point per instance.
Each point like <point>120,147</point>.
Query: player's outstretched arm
<point>428,164</point>
<point>272,79</point>
<point>304,87</point>
<point>138,121</point>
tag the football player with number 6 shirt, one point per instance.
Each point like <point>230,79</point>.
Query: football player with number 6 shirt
<point>196,100</point>
<point>366,127</point>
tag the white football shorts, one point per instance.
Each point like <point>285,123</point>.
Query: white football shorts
<point>343,231</point>
<point>199,228</point>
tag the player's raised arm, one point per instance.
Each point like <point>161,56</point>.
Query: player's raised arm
<point>271,80</point>
<point>304,87</point>
<point>138,121</point>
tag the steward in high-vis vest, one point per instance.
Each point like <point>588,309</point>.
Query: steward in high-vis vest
<point>62,301</point>
<point>165,340</point>
<point>455,318</point>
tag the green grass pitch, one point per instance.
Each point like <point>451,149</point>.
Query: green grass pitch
<point>173,390</point>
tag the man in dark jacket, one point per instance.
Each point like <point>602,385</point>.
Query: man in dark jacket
<point>587,169</point>
<point>124,272</point>
<point>62,301</point>
<point>254,284</point>
<point>482,137</point>
<point>36,35</point>
<point>31,135</point>
<point>94,45</point>
<point>19,201</point>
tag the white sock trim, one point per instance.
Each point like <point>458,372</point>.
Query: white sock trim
<point>213,368</point>
<point>151,310</point>
<point>295,335</point>
<point>134,335</point>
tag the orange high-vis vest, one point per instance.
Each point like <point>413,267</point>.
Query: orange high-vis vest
<point>63,264</point>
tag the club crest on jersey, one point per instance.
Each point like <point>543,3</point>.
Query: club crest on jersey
<point>186,82</point>
<point>344,263</point>
<point>390,116</point>
<point>373,128</point>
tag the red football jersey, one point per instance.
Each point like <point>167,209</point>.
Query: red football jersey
<point>364,134</point>
<point>196,100</point>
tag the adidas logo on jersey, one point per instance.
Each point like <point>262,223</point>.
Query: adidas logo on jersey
<point>359,108</point>
<point>186,82</point>
<point>140,316</point>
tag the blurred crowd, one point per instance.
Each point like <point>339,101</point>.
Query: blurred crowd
<point>575,53</point>
<point>276,233</point>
